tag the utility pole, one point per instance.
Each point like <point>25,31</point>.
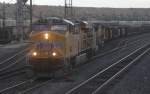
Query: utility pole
<point>20,18</point>
<point>4,15</point>
<point>68,9</point>
<point>31,13</point>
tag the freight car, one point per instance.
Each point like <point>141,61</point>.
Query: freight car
<point>107,31</point>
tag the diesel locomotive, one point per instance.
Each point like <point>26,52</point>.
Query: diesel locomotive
<point>56,43</point>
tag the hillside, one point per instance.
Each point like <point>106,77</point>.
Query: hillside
<point>86,12</point>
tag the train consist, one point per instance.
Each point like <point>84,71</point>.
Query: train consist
<point>59,43</point>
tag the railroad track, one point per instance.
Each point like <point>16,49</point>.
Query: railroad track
<point>122,44</point>
<point>101,80</point>
<point>97,56</point>
<point>21,88</point>
<point>135,39</point>
<point>7,67</point>
<point>25,86</point>
<point>10,70</point>
<point>31,84</point>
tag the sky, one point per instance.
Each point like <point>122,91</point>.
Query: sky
<point>95,3</point>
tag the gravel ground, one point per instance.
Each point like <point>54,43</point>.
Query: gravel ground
<point>5,83</point>
<point>15,79</point>
<point>81,73</point>
<point>84,72</point>
<point>137,81</point>
<point>9,50</point>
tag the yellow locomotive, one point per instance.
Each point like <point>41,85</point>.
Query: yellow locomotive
<point>56,44</point>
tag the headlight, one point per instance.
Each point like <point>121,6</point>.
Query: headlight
<point>34,53</point>
<point>54,53</point>
<point>46,36</point>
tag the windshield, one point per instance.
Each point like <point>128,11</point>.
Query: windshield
<point>59,28</point>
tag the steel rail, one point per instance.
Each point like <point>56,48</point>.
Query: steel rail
<point>25,86</point>
<point>13,56</point>
<point>11,65</point>
<point>6,90</point>
<point>118,73</point>
<point>81,86</point>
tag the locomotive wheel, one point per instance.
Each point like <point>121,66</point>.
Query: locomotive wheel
<point>90,53</point>
<point>73,62</point>
<point>30,73</point>
<point>67,69</point>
